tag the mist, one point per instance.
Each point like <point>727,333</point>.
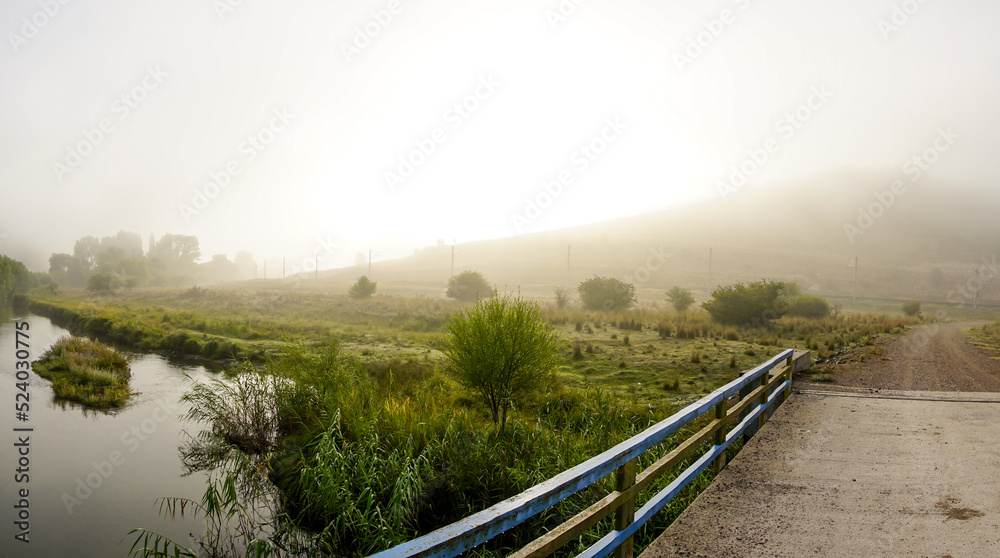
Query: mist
<point>305,132</point>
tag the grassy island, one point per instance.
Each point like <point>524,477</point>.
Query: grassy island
<point>87,372</point>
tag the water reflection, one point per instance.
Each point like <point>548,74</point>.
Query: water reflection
<point>96,475</point>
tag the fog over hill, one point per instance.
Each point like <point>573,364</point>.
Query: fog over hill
<point>806,230</point>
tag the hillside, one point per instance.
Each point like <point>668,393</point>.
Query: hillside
<point>792,231</point>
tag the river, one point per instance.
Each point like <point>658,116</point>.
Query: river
<point>91,476</point>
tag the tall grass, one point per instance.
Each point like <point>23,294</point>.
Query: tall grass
<point>87,372</point>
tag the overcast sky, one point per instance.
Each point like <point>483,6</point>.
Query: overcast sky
<point>296,127</point>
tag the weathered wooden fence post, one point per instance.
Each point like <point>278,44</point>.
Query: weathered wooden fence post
<point>720,436</point>
<point>625,515</point>
<point>790,363</point>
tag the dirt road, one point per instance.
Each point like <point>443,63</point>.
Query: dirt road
<point>935,357</point>
<point>866,471</point>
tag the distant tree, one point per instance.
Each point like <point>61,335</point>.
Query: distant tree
<point>562,297</point>
<point>128,242</point>
<point>109,260</point>
<point>502,350</point>
<point>87,249</point>
<point>469,286</point>
<point>911,308</point>
<point>14,278</point>
<point>606,293</point>
<point>362,288</point>
<point>102,284</point>
<point>680,299</point>
<point>808,306</point>
<point>755,303</point>
<point>135,271</point>
<point>218,269</point>
<point>67,269</point>
<point>178,253</point>
<point>835,309</point>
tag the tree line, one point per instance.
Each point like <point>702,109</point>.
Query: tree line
<point>104,264</point>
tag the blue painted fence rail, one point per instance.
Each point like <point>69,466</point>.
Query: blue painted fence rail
<point>480,527</point>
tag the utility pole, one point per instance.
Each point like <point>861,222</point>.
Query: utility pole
<point>855,298</point>
<point>567,265</point>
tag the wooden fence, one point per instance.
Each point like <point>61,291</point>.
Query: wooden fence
<point>746,401</point>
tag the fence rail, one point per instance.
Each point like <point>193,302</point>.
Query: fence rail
<point>746,402</point>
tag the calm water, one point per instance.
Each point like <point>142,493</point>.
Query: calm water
<point>73,450</point>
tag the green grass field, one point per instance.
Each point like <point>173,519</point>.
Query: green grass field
<point>376,408</point>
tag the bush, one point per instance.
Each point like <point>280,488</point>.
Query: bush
<point>606,293</point>
<point>469,286</point>
<point>362,288</point>
<point>680,299</point>
<point>102,284</point>
<point>754,303</point>
<point>911,308</point>
<point>562,297</point>
<point>501,349</point>
<point>808,306</point>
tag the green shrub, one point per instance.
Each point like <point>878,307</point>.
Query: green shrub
<point>102,284</point>
<point>562,297</point>
<point>362,288</point>
<point>754,303</point>
<point>501,349</point>
<point>469,286</point>
<point>680,299</point>
<point>808,306</point>
<point>911,308</point>
<point>606,293</point>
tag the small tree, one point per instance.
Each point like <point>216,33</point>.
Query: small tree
<point>606,293</point>
<point>102,284</point>
<point>680,299</point>
<point>469,286</point>
<point>501,349</point>
<point>362,288</point>
<point>754,303</point>
<point>562,297</point>
<point>808,306</point>
<point>911,308</point>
